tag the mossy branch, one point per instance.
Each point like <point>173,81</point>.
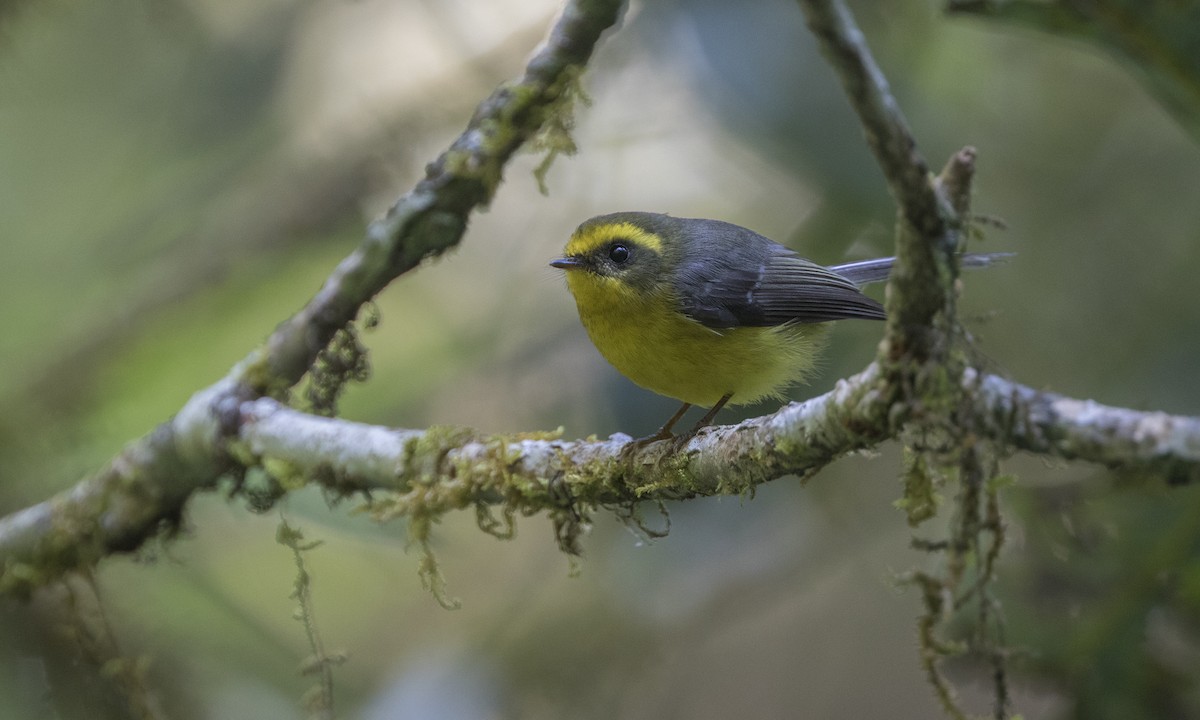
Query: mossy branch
<point>457,469</point>
<point>920,295</point>
<point>453,469</point>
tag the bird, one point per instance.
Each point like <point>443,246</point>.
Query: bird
<point>708,312</point>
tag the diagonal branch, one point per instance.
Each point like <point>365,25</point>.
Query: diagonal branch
<point>147,486</point>
<point>433,217</point>
<point>460,469</point>
<point>920,289</point>
<point>887,132</point>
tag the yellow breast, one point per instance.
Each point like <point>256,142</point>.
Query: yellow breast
<point>661,349</point>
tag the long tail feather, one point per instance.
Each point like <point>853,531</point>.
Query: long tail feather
<point>870,271</point>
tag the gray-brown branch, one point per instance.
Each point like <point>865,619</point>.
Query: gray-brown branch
<point>920,298</point>
<point>801,438</point>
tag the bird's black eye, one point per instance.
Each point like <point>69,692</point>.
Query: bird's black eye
<point>619,253</point>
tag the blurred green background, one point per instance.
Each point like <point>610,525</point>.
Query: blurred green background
<point>177,177</point>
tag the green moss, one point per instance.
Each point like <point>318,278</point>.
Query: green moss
<point>256,372</point>
<point>554,138</point>
<point>428,569</point>
<point>20,579</point>
<point>540,435</point>
<point>504,528</point>
<point>630,515</point>
<point>240,452</point>
<point>920,501</point>
<point>342,361</point>
<point>997,483</point>
<point>671,472</point>
<point>424,453</point>
<point>571,517</point>
<point>285,474</point>
<point>319,698</point>
<point>260,490</point>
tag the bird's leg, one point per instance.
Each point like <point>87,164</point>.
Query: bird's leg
<point>682,439</point>
<point>678,441</point>
<point>708,416</point>
<point>664,432</point>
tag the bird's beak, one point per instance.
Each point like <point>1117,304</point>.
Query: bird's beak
<point>566,263</point>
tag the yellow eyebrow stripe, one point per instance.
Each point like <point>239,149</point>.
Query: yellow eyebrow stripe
<point>589,238</point>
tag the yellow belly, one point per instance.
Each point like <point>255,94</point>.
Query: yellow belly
<point>665,351</point>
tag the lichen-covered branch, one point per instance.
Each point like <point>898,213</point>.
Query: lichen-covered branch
<point>142,491</point>
<point>462,468</point>
<point>442,468</point>
<point>921,360</point>
<point>455,468</point>
<point>1129,441</point>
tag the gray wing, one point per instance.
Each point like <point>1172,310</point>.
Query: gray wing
<point>758,282</point>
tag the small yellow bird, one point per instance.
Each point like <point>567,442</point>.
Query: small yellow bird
<point>708,312</point>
